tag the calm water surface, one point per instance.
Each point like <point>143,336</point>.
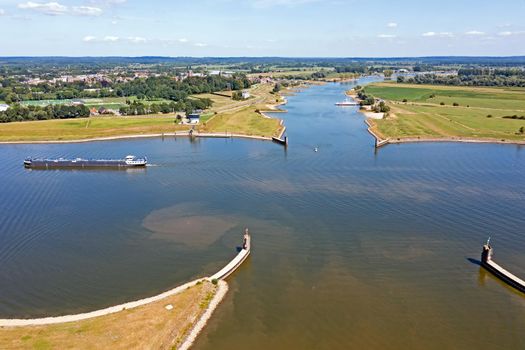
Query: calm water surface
<point>353,249</point>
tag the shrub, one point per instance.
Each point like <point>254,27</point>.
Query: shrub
<point>442,103</point>
<point>405,100</point>
<point>214,281</point>
<point>455,104</point>
<point>489,115</point>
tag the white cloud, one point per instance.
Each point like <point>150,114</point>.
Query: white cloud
<point>200,44</point>
<point>509,33</point>
<point>2,12</point>
<point>89,38</point>
<point>183,40</point>
<point>386,36</point>
<point>111,38</point>
<point>391,25</point>
<point>137,39</point>
<point>440,34</point>
<point>55,9</point>
<point>48,8</point>
<point>87,11</point>
<point>474,32</point>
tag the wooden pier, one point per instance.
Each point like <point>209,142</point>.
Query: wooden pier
<point>498,271</point>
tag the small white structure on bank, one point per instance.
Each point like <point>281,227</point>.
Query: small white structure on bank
<point>245,94</point>
<point>193,118</point>
<point>3,107</point>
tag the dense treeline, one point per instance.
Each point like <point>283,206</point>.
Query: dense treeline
<point>165,87</point>
<point>188,106</point>
<point>18,112</point>
<point>472,77</point>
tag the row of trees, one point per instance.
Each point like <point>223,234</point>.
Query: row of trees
<point>188,106</point>
<point>468,78</point>
<point>18,112</point>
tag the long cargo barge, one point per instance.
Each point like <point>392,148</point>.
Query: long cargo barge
<point>45,163</point>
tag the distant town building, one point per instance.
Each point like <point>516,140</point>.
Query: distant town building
<point>4,107</point>
<point>245,95</point>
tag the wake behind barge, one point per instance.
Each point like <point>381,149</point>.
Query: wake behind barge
<point>128,162</point>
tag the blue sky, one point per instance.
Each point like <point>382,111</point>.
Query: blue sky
<point>325,28</point>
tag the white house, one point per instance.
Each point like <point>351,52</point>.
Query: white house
<point>245,95</point>
<point>193,118</point>
<point>4,107</point>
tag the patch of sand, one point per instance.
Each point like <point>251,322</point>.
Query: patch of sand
<point>185,224</point>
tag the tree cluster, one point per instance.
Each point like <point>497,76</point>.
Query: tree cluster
<point>166,87</point>
<point>472,77</point>
<point>188,106</point>
<point>18,112</point>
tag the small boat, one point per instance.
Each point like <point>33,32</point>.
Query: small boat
<point>128,162</point>
<point>347,102</point>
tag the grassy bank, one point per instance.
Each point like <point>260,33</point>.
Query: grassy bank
<point>242,117</point>
<point>433,112</point>
<point>244,121</point>
<point>87,128</point>
<point>225,115</point>
<point>151,326</point>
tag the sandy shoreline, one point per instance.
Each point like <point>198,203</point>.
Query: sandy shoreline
<point>222,289</point>
<point>96,313</point>
<point>139,136</point>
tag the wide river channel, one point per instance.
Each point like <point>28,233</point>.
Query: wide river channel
<point>352,248</point>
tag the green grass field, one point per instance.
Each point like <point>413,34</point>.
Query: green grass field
<point>107,102</point>
<point>245,121</point>
<point>87,128</point>
<point>423,115</point>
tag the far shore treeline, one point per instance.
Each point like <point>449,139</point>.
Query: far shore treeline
<point>482,76</point>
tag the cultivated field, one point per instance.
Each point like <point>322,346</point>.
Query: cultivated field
<point>151,326</point>
<point>430,112</point>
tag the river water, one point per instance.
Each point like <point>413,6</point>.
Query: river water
<point>352,248</point>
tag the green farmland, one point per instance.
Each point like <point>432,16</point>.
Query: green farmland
<point>425,111</point>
